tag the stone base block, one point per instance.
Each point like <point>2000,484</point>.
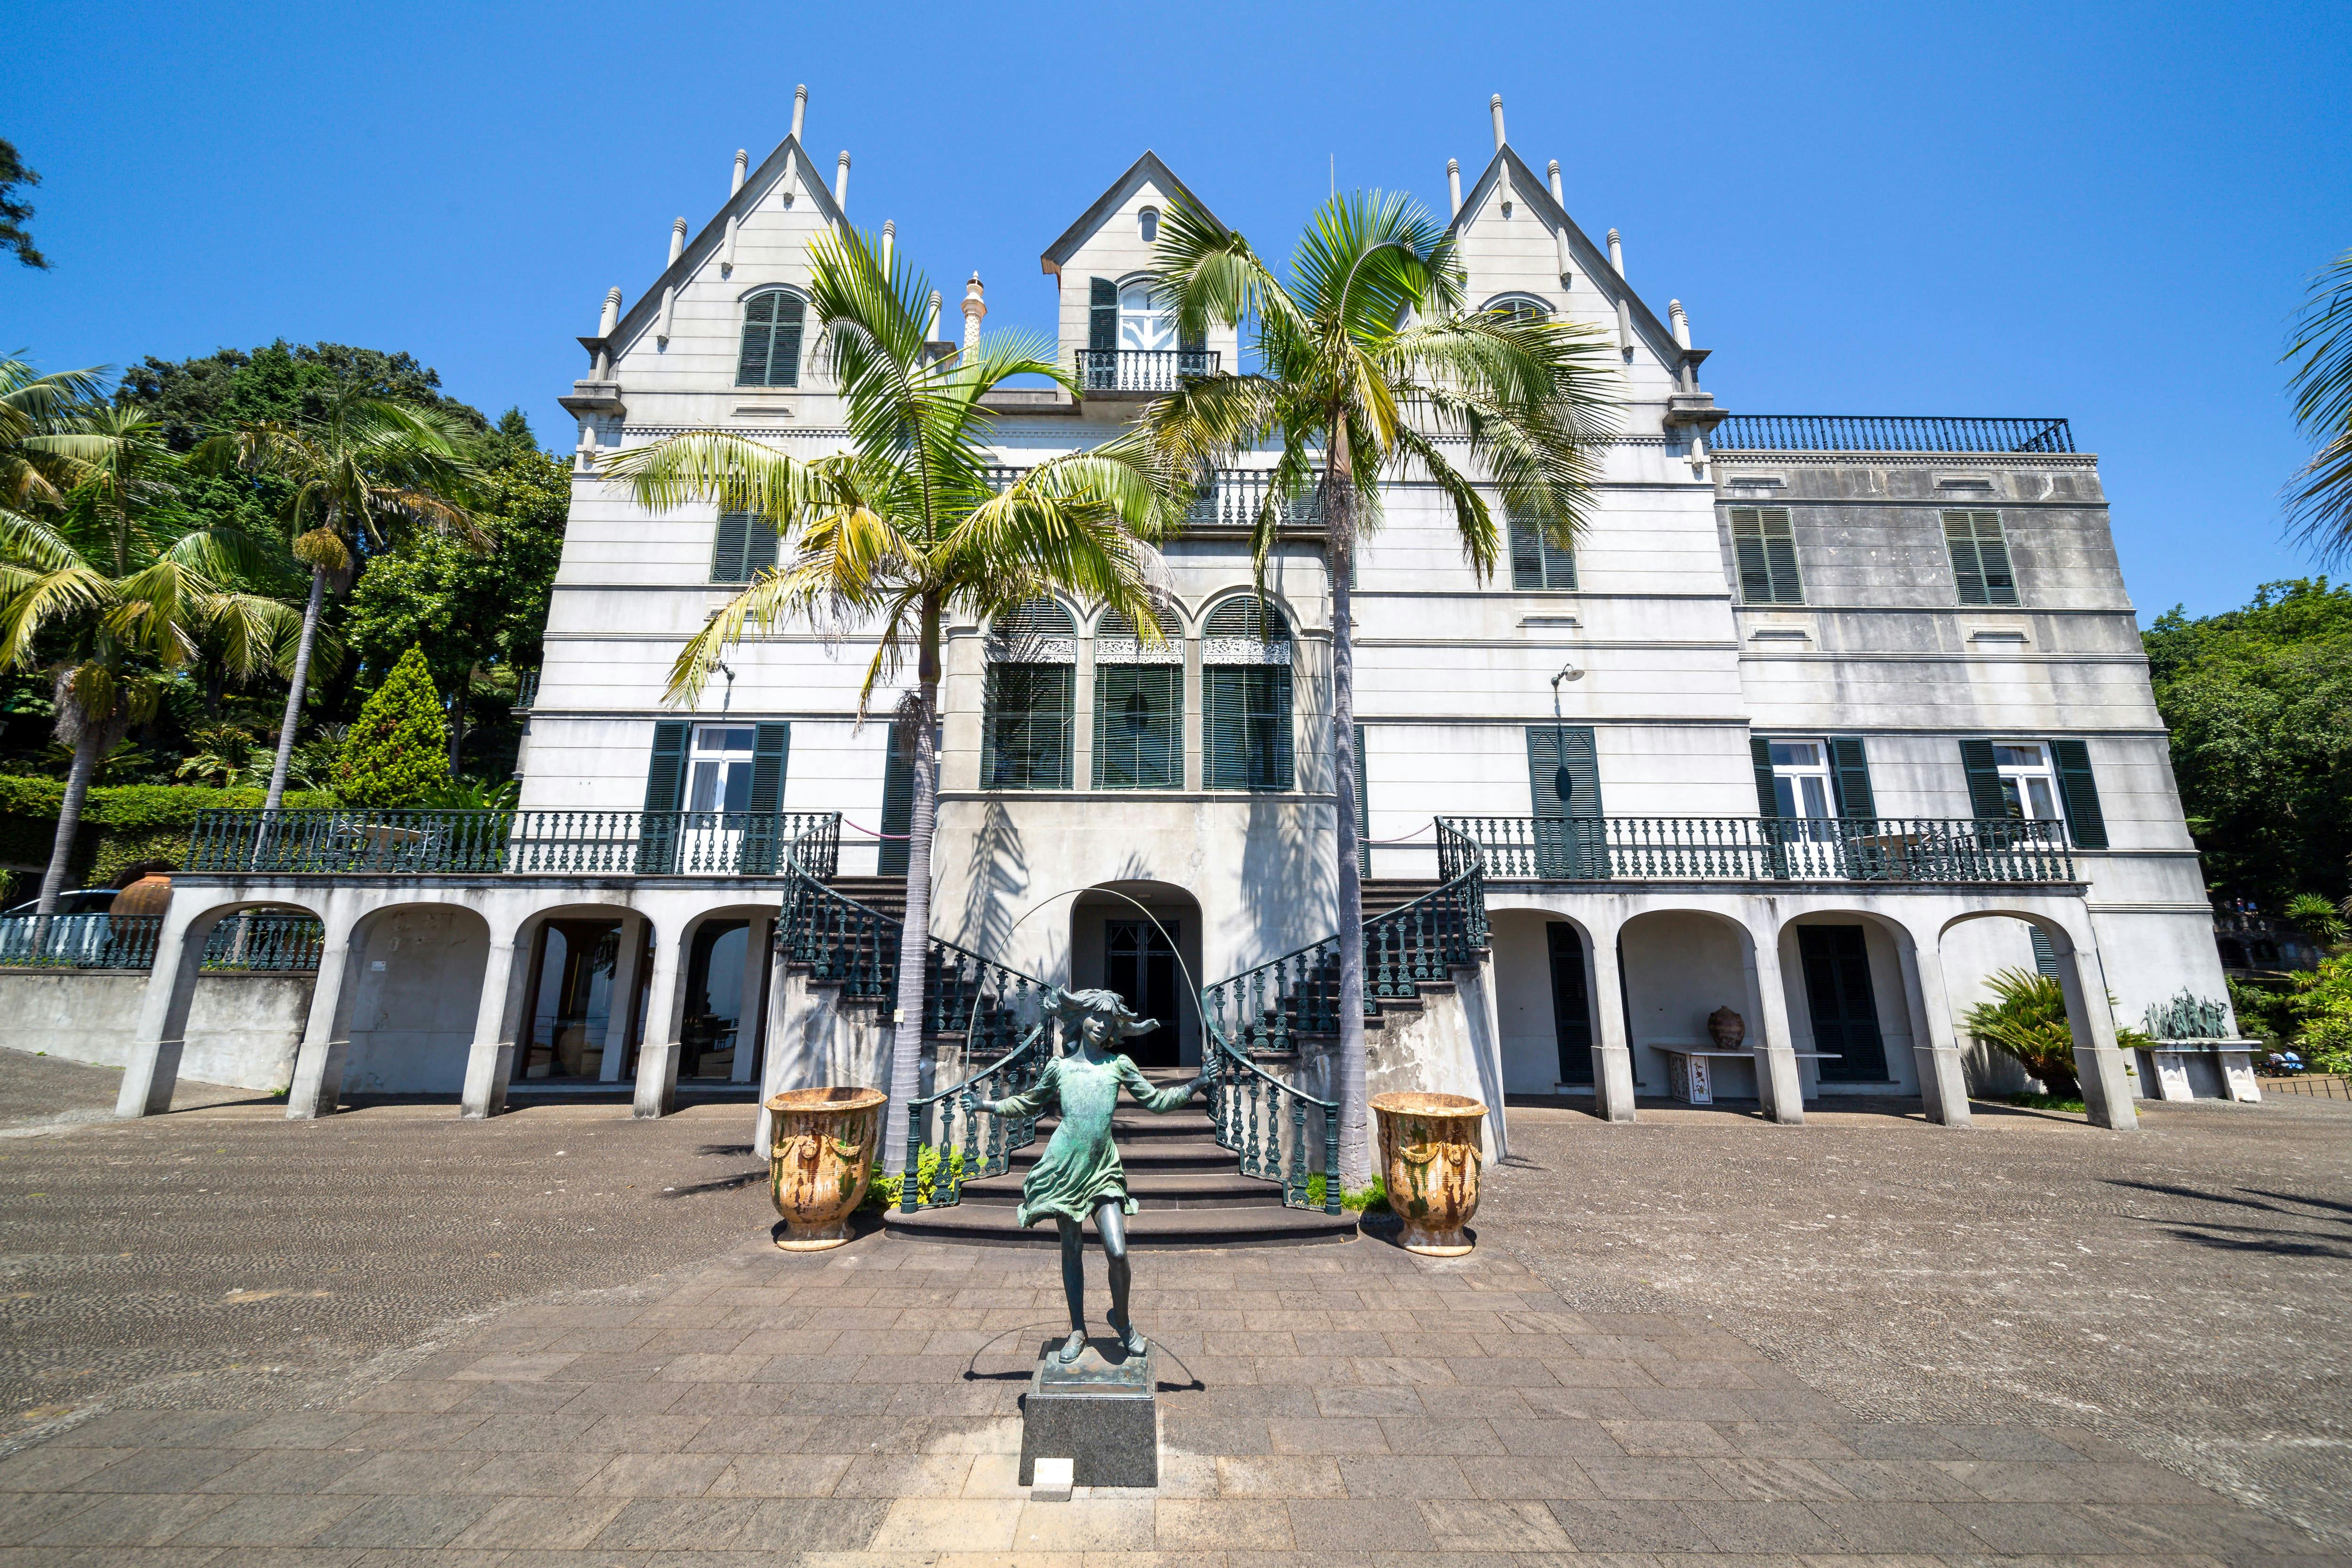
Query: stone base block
<point>1101,1412</point>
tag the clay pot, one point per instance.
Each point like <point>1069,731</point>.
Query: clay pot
<point>150,895</point>
<point>1430,1158</point>
<point>1727,1028</point>
<point>820,1160</point>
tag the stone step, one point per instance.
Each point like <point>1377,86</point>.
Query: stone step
<point>885,895</point>
<point>992,1225</point>
<point>1155,1188</point>
<point>1191,1154</point>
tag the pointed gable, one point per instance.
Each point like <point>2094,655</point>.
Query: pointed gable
<point>1146,169</point>
<point>1507,177</point>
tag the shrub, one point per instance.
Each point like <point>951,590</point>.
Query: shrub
<point>2322,1009</point>
<point>2263,1013</point>
<point>883,1189</point>
<point>2027,1018</point>
<point>2320,919</point>
<point>397,753</point>
<point>122,825</point>
<point>1369,1199</point>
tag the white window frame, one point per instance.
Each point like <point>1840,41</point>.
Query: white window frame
<point>1790,776</point>
<point>2020,777</point>
<point>712,767</point>
<point>1145,322</point>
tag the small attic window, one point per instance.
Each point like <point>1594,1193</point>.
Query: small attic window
<point>1147,224</point>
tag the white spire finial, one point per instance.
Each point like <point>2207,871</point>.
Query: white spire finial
<point>800,110</point>
<point>1454,186</point>
<point>742,162</point>
<point>1682,322</point>
<point>676,239</point>
<point>1556,194</point>
<point>1617,253</point>
<point>974,308</point>
<point>1495,108</point>
<point>840,182</point>
<point>932,325</point>
<point>610,317</point>
<point>889,242</point>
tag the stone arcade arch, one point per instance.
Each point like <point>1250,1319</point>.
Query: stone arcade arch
<point>2098,1061</point>
<point>160,1038</point>
<point>1116,945</point>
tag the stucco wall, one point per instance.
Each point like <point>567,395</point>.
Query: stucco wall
<point>242,1029</point>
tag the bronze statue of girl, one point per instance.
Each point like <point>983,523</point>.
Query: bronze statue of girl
<point>1080,1173</point>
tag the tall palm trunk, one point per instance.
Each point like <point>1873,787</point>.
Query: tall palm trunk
<point>301,679</point>
<point>915,934</point>
<point>85,763</point>
<point>1340,552</point>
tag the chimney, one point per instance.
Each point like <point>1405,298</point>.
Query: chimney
<point>1681,322</point>
<point>742,162</point>
<point>890,243</point>
<point>1453,187</point>
<point>677,242</point>
<point>840,182</point>
<point>1617,253</point>
<point>610,317</point>
<point>800,110</point>
<point>1556,195</point>
<point>974,308</point>
<point>1495,108</point>
<point>932,323</point>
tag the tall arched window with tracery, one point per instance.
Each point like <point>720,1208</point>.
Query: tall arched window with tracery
<point>1139,706</point>
<point>770,355</point>
<point>1032,689</point>
<point>1245,698</point>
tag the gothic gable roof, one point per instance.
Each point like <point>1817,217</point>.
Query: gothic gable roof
<point>1147,168</point>
<point>1591,260</point>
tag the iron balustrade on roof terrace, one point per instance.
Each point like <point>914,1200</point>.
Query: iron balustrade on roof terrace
<point>1756,849</point>
<point>1887,433</point>
<point>1142,370</point>
<point>357,841</point>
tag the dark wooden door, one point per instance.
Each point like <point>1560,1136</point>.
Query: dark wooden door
<point>1571,1005</point>
<point>1139,964</point>
<point>1844,1011</point>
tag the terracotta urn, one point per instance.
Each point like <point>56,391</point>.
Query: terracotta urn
<point>1430,1158</point>
<point>820,1160</point>
<point>1727,1028</point>
<point>150,895</point>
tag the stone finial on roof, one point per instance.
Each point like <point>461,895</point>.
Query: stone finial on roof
<point>610,317</point>
<point>1495,108</point>
<point>800,110</point>
<point>676,240</point>
<point>1553,173</point>
<point>1453,187</point>
<point>840,182</point>
<point>742,163</point>
<point>974,306</point>
<point>1682,322</point>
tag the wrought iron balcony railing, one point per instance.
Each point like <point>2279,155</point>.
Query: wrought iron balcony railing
<point>253,941</point>
<point>356,841</point>
<point>1756,849</point>
<point>1886,433</point>
<point>1142,370</point>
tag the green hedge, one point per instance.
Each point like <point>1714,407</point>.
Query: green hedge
<point>122,825</point>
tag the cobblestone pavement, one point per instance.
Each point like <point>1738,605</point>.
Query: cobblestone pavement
<point>667,1388</point>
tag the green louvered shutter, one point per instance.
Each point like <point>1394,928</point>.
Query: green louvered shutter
<point>1850,774</point>
<point>1765,548</point>
<point>1027,740</point>
<point>1768,798</point>
<point>784,357</point>
<point>760,846</point>
<point>1363,811</point>
<point>1843,1006</point>
<point>1568,825</point>
<point>2045,954</point>
<point>1980,566</point>
<point>759,315</point>
<point>726,548</point>
<point>1571,1009</point>
<point>759,547</point>
<point>1986,799</point>
<point>665,788</point>
<point>2081,794</point>
<point>1247,706</point>
<point>1139,726</point>
<point>1536,561</point>
<point>897,801</point>
<point>1102,315</point>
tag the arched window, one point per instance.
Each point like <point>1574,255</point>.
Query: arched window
<point>1033,658</point>
<point>772,340</point>
<point>1139,706</point>
<point>1245,657</point>
<point>1520,307</point>
<point>1147,224</point>
<point>1144,320</point>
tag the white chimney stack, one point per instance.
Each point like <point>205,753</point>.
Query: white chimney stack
<point>1453,187</point>
<point>931,324</point>
<point>610,317</point>
<point>1495,108</point>
<point>1555,196</point>
<point>974,308</point>
<point>677,242</point>
<point>800,110</point>
<point>840,182</point>
<point>1681,322</point>
<point>742,162</point>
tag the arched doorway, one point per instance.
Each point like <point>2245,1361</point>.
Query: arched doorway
<point>1142,940</point>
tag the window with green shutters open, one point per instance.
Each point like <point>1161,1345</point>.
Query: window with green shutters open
<point>743,546</point>
<point>1980,568</point>
<point>1139,707</point>
<point>1536,560</point>
<point>1764,545</point>
<point>2035,781</point>
<point>772,340</point>
<point>1245,698</point>
<point>1030,697</point>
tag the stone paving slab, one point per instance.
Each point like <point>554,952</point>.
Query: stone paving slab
<point>813,1409</point>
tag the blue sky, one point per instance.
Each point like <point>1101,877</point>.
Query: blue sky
<point>2105,212</point>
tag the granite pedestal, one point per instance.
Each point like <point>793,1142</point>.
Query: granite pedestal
<point>1101,1412</point>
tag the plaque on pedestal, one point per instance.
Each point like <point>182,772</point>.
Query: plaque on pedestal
<point>1100,1412</point>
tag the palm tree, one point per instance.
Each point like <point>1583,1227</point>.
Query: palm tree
<point>365,466</point>
<point>1366,362</point>
<point>907,528</point>
<point>111,584</point>
<point>2320,500</point>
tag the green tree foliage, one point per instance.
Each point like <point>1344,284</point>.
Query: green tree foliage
<point>396,752</point>
<point>2319,501</point>
<point>477,616</point>
<point>14,211</point>
<point>2259,701</point>
<point>2319,1011</point>
<point>2027,1018</point>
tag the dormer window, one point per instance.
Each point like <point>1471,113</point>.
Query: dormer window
<point>1143,322</point>
<point>1147,224</point>
<point>772,340</point>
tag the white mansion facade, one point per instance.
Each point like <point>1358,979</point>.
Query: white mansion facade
<point>1821,720</point>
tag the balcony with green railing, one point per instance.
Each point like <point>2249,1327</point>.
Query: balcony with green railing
<point>1907,849</point>
<point>356,841</point>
